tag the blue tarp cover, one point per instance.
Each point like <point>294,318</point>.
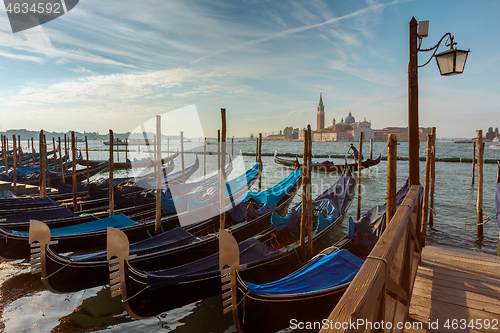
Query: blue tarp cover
<point>330,204</point>
<point>28,203</point>
<point>203,196</point>
<point>7,195</point>
<point>115,221</point>
<point>168,240</point>
<point>251,251</point>
<point>39,215</point>
<point>68,188</point>
<point>325,272</point>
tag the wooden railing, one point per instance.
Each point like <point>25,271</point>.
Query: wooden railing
<point>379,297</point>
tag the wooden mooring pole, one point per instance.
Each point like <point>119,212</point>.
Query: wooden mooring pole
<point>498,217</point>
<point>66,150</point>
<point>371,148</point>
<point>46,164</point>
<point>392,155</point>
<point>218,149</point>
<point>87,156</point>
<point>425,205</point>
<point>433,178</point>
<point>222,163</point>
<point>73,170</point>
<point>55,154</point>
<point>182,158</point>
<point>257,150</point>
<point>205,157</point>
<point>260,162</point>
<point>33,151</point>
<point>61,167</point>
<point>111,170</point>
<point>310,247</point>
<point>155,151</point>
<point>14,164</point>
<point>305,183</point>
<point>41,175</point>
<point>360,157</point>
<point>158,167</point>
<point>473,162</point>
<point>479,206</point>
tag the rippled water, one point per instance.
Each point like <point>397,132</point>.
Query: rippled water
<point>25,305</point>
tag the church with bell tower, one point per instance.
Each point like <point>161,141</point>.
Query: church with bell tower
<point>321,113</point>
<point>347,130</point>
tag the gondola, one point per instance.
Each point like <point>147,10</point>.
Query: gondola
<point>92,235</point>
<point>132,204</point>
<point>148,293</point>
<point>55,176</point>
<point>142,163</point>
<point>170,248</point>
<point>328,166</point>
<point>29,168</point>
<point>26,157</point>
<point>308,294</point>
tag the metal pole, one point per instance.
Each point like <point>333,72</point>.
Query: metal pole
<point>158,167</point>
<point>111,187</point>
<point>205,157</point>
<point>360,157</point>
<point>413,128</point>
<point>392,156</point>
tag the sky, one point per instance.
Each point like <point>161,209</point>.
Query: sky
<point>116,64</point>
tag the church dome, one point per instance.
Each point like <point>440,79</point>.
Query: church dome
<point>350,119</point>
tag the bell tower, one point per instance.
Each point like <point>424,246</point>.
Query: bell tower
<point>321,113</point>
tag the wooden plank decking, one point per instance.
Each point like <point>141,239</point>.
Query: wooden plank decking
<point>456,284</point>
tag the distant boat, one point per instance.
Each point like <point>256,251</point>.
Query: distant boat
<point>463,141</point>
<point>495,139</point>
<point>495,147</point>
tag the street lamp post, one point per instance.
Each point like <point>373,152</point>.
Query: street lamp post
<point>413,137</point>
<point>450,62</point>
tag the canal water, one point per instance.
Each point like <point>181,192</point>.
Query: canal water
<point>26,306</point>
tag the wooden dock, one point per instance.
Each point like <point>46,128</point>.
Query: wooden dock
<point>456,284</point>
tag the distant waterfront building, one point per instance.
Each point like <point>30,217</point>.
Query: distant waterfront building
<point>401,132</point>
<point>348,129</point>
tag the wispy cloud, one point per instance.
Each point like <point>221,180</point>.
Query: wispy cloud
<point>292,31</point>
